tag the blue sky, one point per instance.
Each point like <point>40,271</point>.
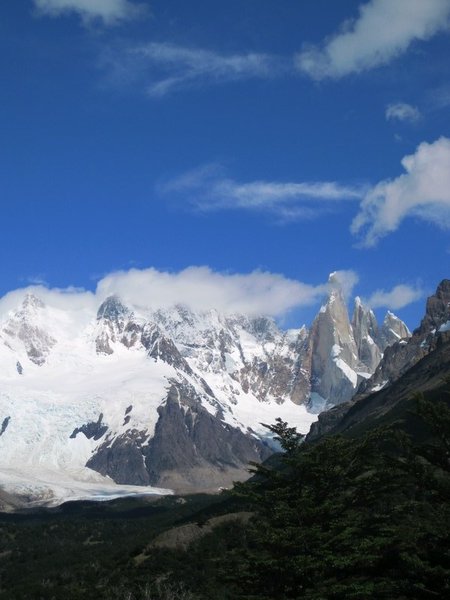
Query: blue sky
<point>249,137</point>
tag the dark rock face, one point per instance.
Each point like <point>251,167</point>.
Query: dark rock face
<point>190,449</point>
<point>160,347</point>
<point>91,430</point>
<point>4,425</point>
<point>404,354</point>
<point>190,440</point>
<point>279,375</point>
<point>11,503</point>
<point>112,309</point>
<point>122,459</point>
<point>426,374</point>
<point>328,421</point>
<point>437,311</point>
<point>365,331</point>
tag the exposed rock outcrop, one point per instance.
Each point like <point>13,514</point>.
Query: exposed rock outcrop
<point>91,430</point>
<point>190,449</point>
<point>408,350</point>
<point>415,362</point>
<point>366,334</point>
<point>24,326</point>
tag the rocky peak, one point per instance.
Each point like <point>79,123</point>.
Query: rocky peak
<point>364,321</point>
<point>25,326</point>
<point>32,303</point>
<point>116,323</point>
<point>392,330</point>
<point>437,311</point>
<point>112,309</point>
<point>264,329</point>
<point>334,355</point>
<point>365,332</point>
<point>160,347</point>
<point>332,324</point>
<point>409,349</point>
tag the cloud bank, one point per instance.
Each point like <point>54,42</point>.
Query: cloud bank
<point>399,297</point>
<point>199,288</point>
<point>110,12</point>
<point>210,189</point>
<point>423,191</point>
<point>383,31</point>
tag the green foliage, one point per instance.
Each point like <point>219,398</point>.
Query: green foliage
<point>346,518</point>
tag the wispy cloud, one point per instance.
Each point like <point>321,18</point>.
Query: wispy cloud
<point>110,12</point>
<point>210,189</point>
<point>399,297</point>
<point>164,68</point>
<point>439,98</point>
<point>423,191</point>
<point>400,111</point>
<point>383,31</point>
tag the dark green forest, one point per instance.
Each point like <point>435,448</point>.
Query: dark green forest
<point>362,516</point>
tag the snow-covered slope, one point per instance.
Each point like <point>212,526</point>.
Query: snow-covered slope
<point>169,398</point>
<point>70,396</point>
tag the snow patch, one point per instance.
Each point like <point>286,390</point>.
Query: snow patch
<point>348,371</point>
<point>379,386</point>
<point>444,327</point>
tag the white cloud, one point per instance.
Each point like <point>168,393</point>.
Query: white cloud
<point>209,189</point>
<point>164,68</point>
<point>108,11</point>
<point>200,288</point>
<point>383,30</point>
<point>423,192</point>
<point>401,111</point>
<point>398,297</point>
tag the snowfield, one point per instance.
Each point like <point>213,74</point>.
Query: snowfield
<point>53,381</point>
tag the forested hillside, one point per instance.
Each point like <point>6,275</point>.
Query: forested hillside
<point>364,517</point>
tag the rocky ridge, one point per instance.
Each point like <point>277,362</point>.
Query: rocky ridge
<point>171,397</point>
<point>404,353</point>
<point>401,361</point>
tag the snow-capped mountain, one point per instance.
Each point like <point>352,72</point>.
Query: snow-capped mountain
<point>340,354</point>
<point>164,397</point>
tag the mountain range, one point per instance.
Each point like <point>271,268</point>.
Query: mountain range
<point>170,398</point>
